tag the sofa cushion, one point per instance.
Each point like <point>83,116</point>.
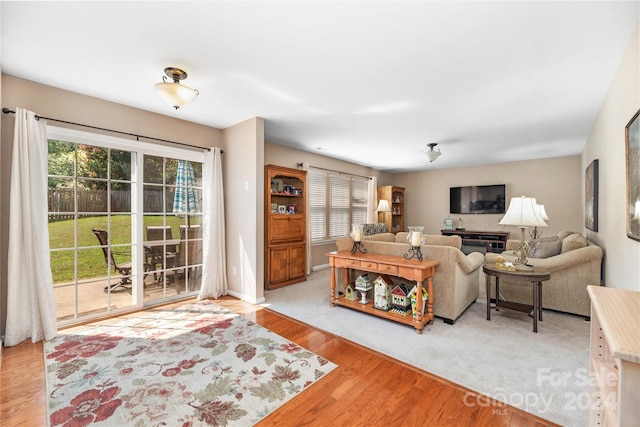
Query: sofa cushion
<point>545,247</point>
<point>573,241</point>
<point>402,236</point>
<point>438,240</point>
<point>380,237</point>
<point>432,239</point>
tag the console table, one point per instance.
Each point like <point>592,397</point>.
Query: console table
<point>495,241</point>
<point>411,269</point>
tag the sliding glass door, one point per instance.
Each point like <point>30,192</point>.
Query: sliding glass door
<point>124,223</point>
<point>172,205</point>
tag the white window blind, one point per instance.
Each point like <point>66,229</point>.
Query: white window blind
<point>317,182</point>
<point>336,201</point>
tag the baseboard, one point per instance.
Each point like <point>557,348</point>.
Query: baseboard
<point>246,298</point>
<point>320,267</point>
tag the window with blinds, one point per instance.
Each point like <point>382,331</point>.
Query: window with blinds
<point>335,202</point>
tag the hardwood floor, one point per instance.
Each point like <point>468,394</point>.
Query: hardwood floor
<point>367,388</point>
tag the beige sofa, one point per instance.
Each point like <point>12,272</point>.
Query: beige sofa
<point>577,266</point>
<point>455,283</point>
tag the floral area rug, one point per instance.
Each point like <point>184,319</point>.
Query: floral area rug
<point>196,365</point>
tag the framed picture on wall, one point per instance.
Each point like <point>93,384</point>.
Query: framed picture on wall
<point>632,137</point>
<point>591,196</point>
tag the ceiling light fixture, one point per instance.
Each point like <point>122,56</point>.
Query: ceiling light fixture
<point>431,154</point>
<point>174,93</point>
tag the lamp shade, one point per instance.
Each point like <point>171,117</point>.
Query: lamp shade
<point>383,206</point>
<point>175,94</point>
<point>431,155</point>
<point>541,214</point>
<point>522,213</point>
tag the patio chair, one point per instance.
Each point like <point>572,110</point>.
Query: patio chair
<point>123,268</point>
<point>156,255</point>
<point>190,253</point>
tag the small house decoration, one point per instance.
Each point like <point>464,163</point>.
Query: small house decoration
<point>350,293</point>
<point>363,284</point>
<point>412,297</point>
<point>382,292</point>
<point>400,302</point>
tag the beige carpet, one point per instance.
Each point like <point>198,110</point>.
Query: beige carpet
<point>545,373</point>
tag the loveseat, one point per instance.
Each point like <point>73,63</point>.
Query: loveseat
<point>574,263</point>
<point>455,283</point>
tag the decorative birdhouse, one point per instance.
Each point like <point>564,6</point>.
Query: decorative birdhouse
<point>350,293</point>
<point>363,284</point>
<point>400,302</point>
<point>412,297</point>
<point>382,292</point>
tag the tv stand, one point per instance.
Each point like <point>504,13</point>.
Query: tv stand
<point>494,241</point>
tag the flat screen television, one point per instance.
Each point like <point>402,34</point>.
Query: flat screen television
<point>477,199</point>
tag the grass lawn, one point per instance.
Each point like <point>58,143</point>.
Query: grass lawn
<point>91,262</point>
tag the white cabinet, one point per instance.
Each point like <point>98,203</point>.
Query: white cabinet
<point>614,357</point>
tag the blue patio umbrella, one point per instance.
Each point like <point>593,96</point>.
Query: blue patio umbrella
<point>185,199</point>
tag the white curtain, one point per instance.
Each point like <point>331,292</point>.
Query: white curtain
<point>214,258</point>
<point>372,215</point>
<point>31,306</point>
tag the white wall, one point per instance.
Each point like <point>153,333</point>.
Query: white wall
<point>244,204</point>
<point>607,144</point>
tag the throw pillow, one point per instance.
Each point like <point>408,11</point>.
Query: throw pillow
<point>545,247</point>
<point>371,229</point>
<point>573,241</point>
<point>564,233</point>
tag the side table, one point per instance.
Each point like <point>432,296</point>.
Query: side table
<point>535,276</point>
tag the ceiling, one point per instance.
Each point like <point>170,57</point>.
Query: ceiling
<point>368,82</point>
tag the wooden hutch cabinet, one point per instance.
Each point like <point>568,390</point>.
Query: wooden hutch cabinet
<point>286,225</point>
<point>395,196</point>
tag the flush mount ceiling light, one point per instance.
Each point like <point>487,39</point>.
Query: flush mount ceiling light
<point>174,93</point>
<point>431,154</point>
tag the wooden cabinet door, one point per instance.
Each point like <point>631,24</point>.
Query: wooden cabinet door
<point>279,262</point>
<point>297,257</point>
<point>286,228</point>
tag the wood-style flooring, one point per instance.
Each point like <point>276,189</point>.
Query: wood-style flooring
<point>367,388</point>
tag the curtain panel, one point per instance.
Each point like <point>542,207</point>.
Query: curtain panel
<point>214,260</point>
<point>31,308</point>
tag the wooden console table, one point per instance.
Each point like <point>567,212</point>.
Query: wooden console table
<point>495,241</point>
<point>412,269</point>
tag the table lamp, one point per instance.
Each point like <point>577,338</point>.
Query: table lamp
<point>383,206</point>
<point>522,214</point>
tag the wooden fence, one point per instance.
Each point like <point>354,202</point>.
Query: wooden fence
<point>61,202</point>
